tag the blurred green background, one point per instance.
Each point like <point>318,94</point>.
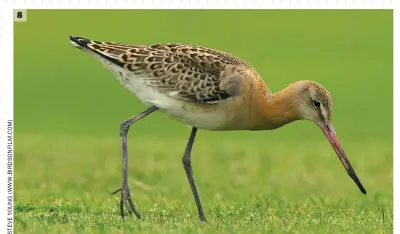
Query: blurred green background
<point>68,108</point>
<point>61,90</point>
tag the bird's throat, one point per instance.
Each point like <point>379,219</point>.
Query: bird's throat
<point>277,110</point>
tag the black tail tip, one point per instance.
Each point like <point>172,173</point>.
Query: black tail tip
<point>79,41</point>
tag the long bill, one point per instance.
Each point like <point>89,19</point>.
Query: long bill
<point>330,134</point>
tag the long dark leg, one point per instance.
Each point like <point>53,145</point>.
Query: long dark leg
<point>126,198</point>
<point>187,164</point>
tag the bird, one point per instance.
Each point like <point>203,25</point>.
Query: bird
<point>207,89</point>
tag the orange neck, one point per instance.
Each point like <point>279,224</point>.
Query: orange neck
<point>278,110</point>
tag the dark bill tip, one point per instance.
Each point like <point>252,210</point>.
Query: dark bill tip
<point>330,134</point>
<point>354,176</point>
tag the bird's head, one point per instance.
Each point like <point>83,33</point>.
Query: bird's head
<point>313,102</point>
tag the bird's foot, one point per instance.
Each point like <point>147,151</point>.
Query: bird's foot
<point>126,200</point>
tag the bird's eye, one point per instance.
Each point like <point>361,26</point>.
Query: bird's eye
<point>316,104</point>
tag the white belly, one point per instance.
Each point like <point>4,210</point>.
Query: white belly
<point>183,111</point>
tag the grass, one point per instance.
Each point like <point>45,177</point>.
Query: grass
<point>67,111</point>
<point>244,188</point>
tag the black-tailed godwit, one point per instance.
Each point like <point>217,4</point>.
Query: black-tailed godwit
<point>207,89</point>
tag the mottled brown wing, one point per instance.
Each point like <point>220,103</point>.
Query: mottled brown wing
<point>181,71</point>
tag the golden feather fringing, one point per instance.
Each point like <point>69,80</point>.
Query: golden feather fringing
<point>187,72</point>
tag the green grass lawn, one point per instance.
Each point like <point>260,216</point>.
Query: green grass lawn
<point>68,109</point>
<point>278,187</point>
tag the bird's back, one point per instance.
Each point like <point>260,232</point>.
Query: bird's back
<point>178,76</point>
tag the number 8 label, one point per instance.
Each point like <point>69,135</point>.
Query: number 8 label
<point>20,15</point>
